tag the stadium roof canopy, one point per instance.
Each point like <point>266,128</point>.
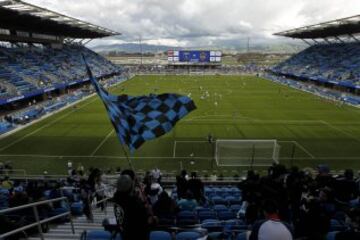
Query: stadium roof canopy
<point>349,26</point>
<point>16,15</point>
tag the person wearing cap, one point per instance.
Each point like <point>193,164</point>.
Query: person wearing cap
<point>130,211</point>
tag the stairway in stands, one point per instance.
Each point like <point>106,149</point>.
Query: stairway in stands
<point>63,231</point>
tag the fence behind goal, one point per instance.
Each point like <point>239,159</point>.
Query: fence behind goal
<point>246,152</point>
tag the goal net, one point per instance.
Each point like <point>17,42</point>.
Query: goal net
<point>246,152</point>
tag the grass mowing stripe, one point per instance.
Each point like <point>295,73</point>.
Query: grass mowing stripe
<point>340,130</point>
<point>249,104</point>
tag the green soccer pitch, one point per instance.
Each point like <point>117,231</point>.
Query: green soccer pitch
<point>310,130</point>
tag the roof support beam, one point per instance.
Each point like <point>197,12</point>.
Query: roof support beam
<point>327,40</point>
<point>316,42</point>
<point>353,37</point>
<point>339,39</point>
<point>307,42</point>
<point>87,41</point>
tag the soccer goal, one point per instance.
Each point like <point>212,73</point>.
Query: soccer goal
<point>246,152</point>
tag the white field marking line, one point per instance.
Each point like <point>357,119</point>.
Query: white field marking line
<point>102,142</point>
<point>45,126</point>
<point>302,148</point>
<point>240,118</point>
<point>95,156</point>
<point>117,157</point>
<point>174,149</point>
<point>339,130</point>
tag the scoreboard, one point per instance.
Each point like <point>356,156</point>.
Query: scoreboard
<point>194,56</point>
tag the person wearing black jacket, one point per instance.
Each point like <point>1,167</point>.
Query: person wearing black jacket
<point>130,211</point>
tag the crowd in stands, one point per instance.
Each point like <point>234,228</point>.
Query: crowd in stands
<point>336,63</point>
<point>25,69</point>
<point>285,204</point>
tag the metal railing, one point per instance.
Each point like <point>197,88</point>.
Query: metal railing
<point>38,222</point>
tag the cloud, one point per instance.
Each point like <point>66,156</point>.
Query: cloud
<point>201,22</point>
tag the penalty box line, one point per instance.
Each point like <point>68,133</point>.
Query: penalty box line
<point>203,141</point>
<point>302,148</point>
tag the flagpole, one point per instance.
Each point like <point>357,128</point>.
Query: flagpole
<point>127,157</point>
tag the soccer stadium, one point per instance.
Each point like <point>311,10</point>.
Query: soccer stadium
<point>179,135</point>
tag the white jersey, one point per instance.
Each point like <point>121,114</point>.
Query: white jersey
<point>274,230</point>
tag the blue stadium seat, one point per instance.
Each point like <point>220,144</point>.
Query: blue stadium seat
<point>218,200</point>
<point>331,235</point>
<point>206,215</point>
<point>233,200</point>
<point>226,215</point>
<point>235,208</point>
<point>188,235</point>
<point>212,225</point>
<point>160,235</point>
<point>220,207</point>
<point>77,208</point>
<point>242,236</point>
<point>186,218</point>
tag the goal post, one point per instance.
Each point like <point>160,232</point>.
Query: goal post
<point>241,152</point>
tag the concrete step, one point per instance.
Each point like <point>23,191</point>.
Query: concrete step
<point>68,235</point>
<point>38,238</point>
<point>64,231</point>
<point>80,228</point>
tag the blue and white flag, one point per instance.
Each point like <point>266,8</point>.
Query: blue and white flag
<point>138,119</point>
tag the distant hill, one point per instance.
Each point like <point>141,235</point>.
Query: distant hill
<point>132,48</point>
<point>270,47</point>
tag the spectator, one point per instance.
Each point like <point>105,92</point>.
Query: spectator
<point>130,212</point>
<point>345,187</point>
<point>4,197</point>
<point>272,228</point>
<point>314,222</point>
<point>196,186</point>
<point>7,183</point>
<point>165,206</point>
<point>155,191</point>
<point>69,168</point>
<point>182,184</point>
<point>156,175</point>
<point>188,203</point>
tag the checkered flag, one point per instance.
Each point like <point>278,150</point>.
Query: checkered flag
<point>138,119</point>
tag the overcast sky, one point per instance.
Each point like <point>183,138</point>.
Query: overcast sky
<point>201,22</point>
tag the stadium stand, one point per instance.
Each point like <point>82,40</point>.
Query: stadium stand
<point>33,69</point>
<point>27,72</point>
<point>336,63</point>
<point>312,206</point>
<point>332,60</point>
